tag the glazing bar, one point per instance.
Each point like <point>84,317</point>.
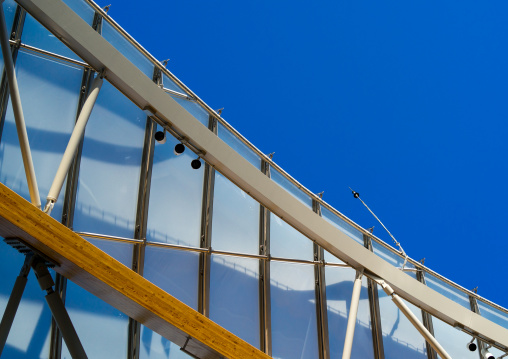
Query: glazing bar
<point>353,311</point>
<point>72,146</point>
<point>414,320</point>
<point>18,112</point>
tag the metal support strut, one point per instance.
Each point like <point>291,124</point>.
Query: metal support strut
<point>54,301</point>
<point>18,112</point>
<point>72,146</point>
<point>414,320</point>
<point>353,310</point>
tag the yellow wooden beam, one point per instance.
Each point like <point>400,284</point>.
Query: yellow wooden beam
<point>110,280</point>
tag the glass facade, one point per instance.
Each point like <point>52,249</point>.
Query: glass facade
<point>268,284</point>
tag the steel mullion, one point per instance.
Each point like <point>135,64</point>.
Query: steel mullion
<point>375,312</point>
<point>206,232</point>
<point>17,29</point>
<point>264,275</point>
<point>427,320</point>
<point>320,292</point>
<point>68,208</point>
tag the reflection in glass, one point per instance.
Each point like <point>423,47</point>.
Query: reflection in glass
<point>287,242</point>
<point>176,272</point>
<point>342,225</point>
<point>194,109</point>
<point>400,337</point>
<point>29,334</point>
<point>339,288</point>
<point>493,314</point>
<point>110,166</point>
<point>235,219</point>
<point>127,49</point>
<point>447,290</point>
<point>394,259</point>
<point>35,34</point>
<point>101,328</point>
<point>293,310</point>
<point>453,340</point>
<point>282,181</point>
<point>176,195</point>
<point>234,297</point>
<point>330,258</point>
<point>49,93</point>
<point>240,147</point>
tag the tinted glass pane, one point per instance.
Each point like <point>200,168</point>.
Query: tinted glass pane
<point>453,340</point>
<point>29,334</point>
<point>81,8</point>
<point>393,258</point>
<point>400,337</point>
<point>110,165</point>
<point>339,289</point>
<point>447,290</point>
<point>293,308</point>
<point>342,225</point>
<point>287,242</point>
<point>176,272</point>
<point>330,258</point>
<point>176,197</point>
<point>235,224</point>
<point>282,181</point>
<point>493,314</point>
<point>127,49</point>
<point>170,84</point>
<point>49,93</point>
<point>240,147</point>
<point>35,34</point>
<point>234,297</point>
<point>101,328</point>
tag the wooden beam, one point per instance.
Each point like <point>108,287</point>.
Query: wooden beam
<point>111,281</point>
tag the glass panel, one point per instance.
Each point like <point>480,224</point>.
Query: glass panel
<point>176,272</point>
<point>240,147</point>
<point>493,314</point>
<point>110,166</point>
<point>82,8</point>
<point>342,225</point>
<point>35,34</point>
<point>453,341</point>
<point>176,196</point>
<point>234,296</point>
<point>49,93</point>
<point>330,258</point>
<point>101,328</point>
<point>170,84</point>
<point>293,308</point>
<point>194,109</point>
<point>287,242</point>
<point>339,288</point>
<point>235,223</point>
<point>389,256</point>
<point>400,337</point>
<point>127,49</point>
<point>447,290</point>
<point>30,331</point>
<point>282,181</point>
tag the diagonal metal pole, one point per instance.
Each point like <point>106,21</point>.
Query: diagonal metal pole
<point>18,112</point>
<point>414,320</point>
<point>14,300</point>
<point>72,146</point>
<point>353,311</point>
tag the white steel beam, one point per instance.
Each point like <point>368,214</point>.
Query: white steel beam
<point>96,51</point>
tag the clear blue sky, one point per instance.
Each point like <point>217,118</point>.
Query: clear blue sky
<point>405,101</point>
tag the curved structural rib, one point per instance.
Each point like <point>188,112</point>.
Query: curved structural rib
<point>96,51</point>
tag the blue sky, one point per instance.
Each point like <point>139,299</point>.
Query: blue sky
<point>404,101</point>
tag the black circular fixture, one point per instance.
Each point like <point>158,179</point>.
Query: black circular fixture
<point>179,148</point>
<point>160,136</point>
<point>196,164</point>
